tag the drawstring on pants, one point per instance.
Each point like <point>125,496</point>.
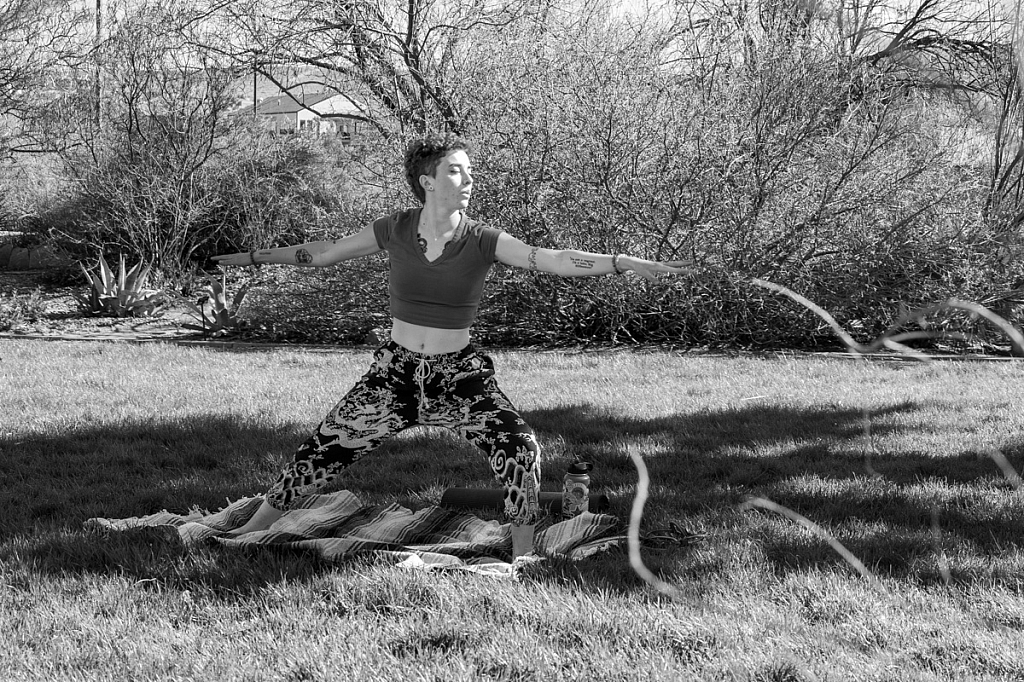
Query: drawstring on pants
<point>421,374</point>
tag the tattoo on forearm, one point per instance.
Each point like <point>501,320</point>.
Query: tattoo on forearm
<point>303,257</point>
<point>533,258</point>
<point>582,263</point>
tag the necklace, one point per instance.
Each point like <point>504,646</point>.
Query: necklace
<point>456,234</point>
<point>423,244</point>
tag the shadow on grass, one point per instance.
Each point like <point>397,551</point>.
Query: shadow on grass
<point>889,508</point>
<point>702,467</point>
<point>132,468</point>
<point>51,483</point>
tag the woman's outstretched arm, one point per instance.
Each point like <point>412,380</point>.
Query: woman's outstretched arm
<point>569,263</point>
<point>310,255</point>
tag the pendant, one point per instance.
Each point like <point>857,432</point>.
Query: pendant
<point>423,244</point>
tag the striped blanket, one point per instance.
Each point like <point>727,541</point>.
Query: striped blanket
<point>338,525</point>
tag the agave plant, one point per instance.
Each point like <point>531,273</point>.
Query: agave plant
<point>121,295</point>
<point>215,315</point>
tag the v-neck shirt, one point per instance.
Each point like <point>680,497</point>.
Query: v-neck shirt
<point>445,292</point>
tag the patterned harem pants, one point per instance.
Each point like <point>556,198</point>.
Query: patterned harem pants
<point>404,389</point>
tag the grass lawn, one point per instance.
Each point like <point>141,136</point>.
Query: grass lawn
<point>100,429</point>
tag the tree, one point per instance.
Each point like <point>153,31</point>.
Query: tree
<point>38,42</point>
<point>141,171</point>
<point>395,58</point>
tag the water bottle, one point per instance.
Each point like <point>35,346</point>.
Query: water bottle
<point>576,489</point>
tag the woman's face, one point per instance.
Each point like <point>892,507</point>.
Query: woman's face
<point>452,184</point>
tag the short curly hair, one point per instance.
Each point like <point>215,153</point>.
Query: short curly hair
<point>423,154</point>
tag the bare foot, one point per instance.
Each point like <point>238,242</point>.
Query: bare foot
<point>522,540</point>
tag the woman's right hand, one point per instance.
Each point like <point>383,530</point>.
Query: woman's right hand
<point>241,258</point>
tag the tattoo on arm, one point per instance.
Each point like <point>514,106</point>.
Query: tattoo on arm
<point>533,258</point>
<point>303,257</point>
<point>582,263</point>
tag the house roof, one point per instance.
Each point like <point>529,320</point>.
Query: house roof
<point>323,103</point>
<point>338,104</point>
<point>287,104</point>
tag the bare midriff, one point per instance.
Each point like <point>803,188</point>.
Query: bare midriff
<point>428,340</point>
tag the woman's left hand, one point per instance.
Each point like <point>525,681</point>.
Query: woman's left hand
<point>651,270</point>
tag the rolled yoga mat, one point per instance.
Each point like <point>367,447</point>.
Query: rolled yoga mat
<point>494,498</point>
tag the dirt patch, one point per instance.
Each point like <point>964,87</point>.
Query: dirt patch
<point>64,319</point>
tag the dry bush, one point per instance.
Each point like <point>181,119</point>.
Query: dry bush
<point>258,190</point>
<point>773,149</point>
<point>174,170</point>
<point>825,174</point>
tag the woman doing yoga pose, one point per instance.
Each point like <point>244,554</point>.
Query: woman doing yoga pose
<point>429,373</point>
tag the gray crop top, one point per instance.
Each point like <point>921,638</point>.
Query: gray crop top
<point>444,293</point>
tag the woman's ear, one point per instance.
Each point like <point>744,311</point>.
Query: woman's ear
<point>427,183</point>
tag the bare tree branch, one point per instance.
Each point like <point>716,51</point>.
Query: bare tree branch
<point>397,54</point>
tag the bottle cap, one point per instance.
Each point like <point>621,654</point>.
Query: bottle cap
<point>580,467</point>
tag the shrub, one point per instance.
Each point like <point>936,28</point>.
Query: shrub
<point>823,174</point>
<point>215,315</point>
<point>18,309</point>
<point>123,294</point>
<point>776,172</point>
<point>257,190</point>
<point>177,172</point>
<point>774,154</point>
